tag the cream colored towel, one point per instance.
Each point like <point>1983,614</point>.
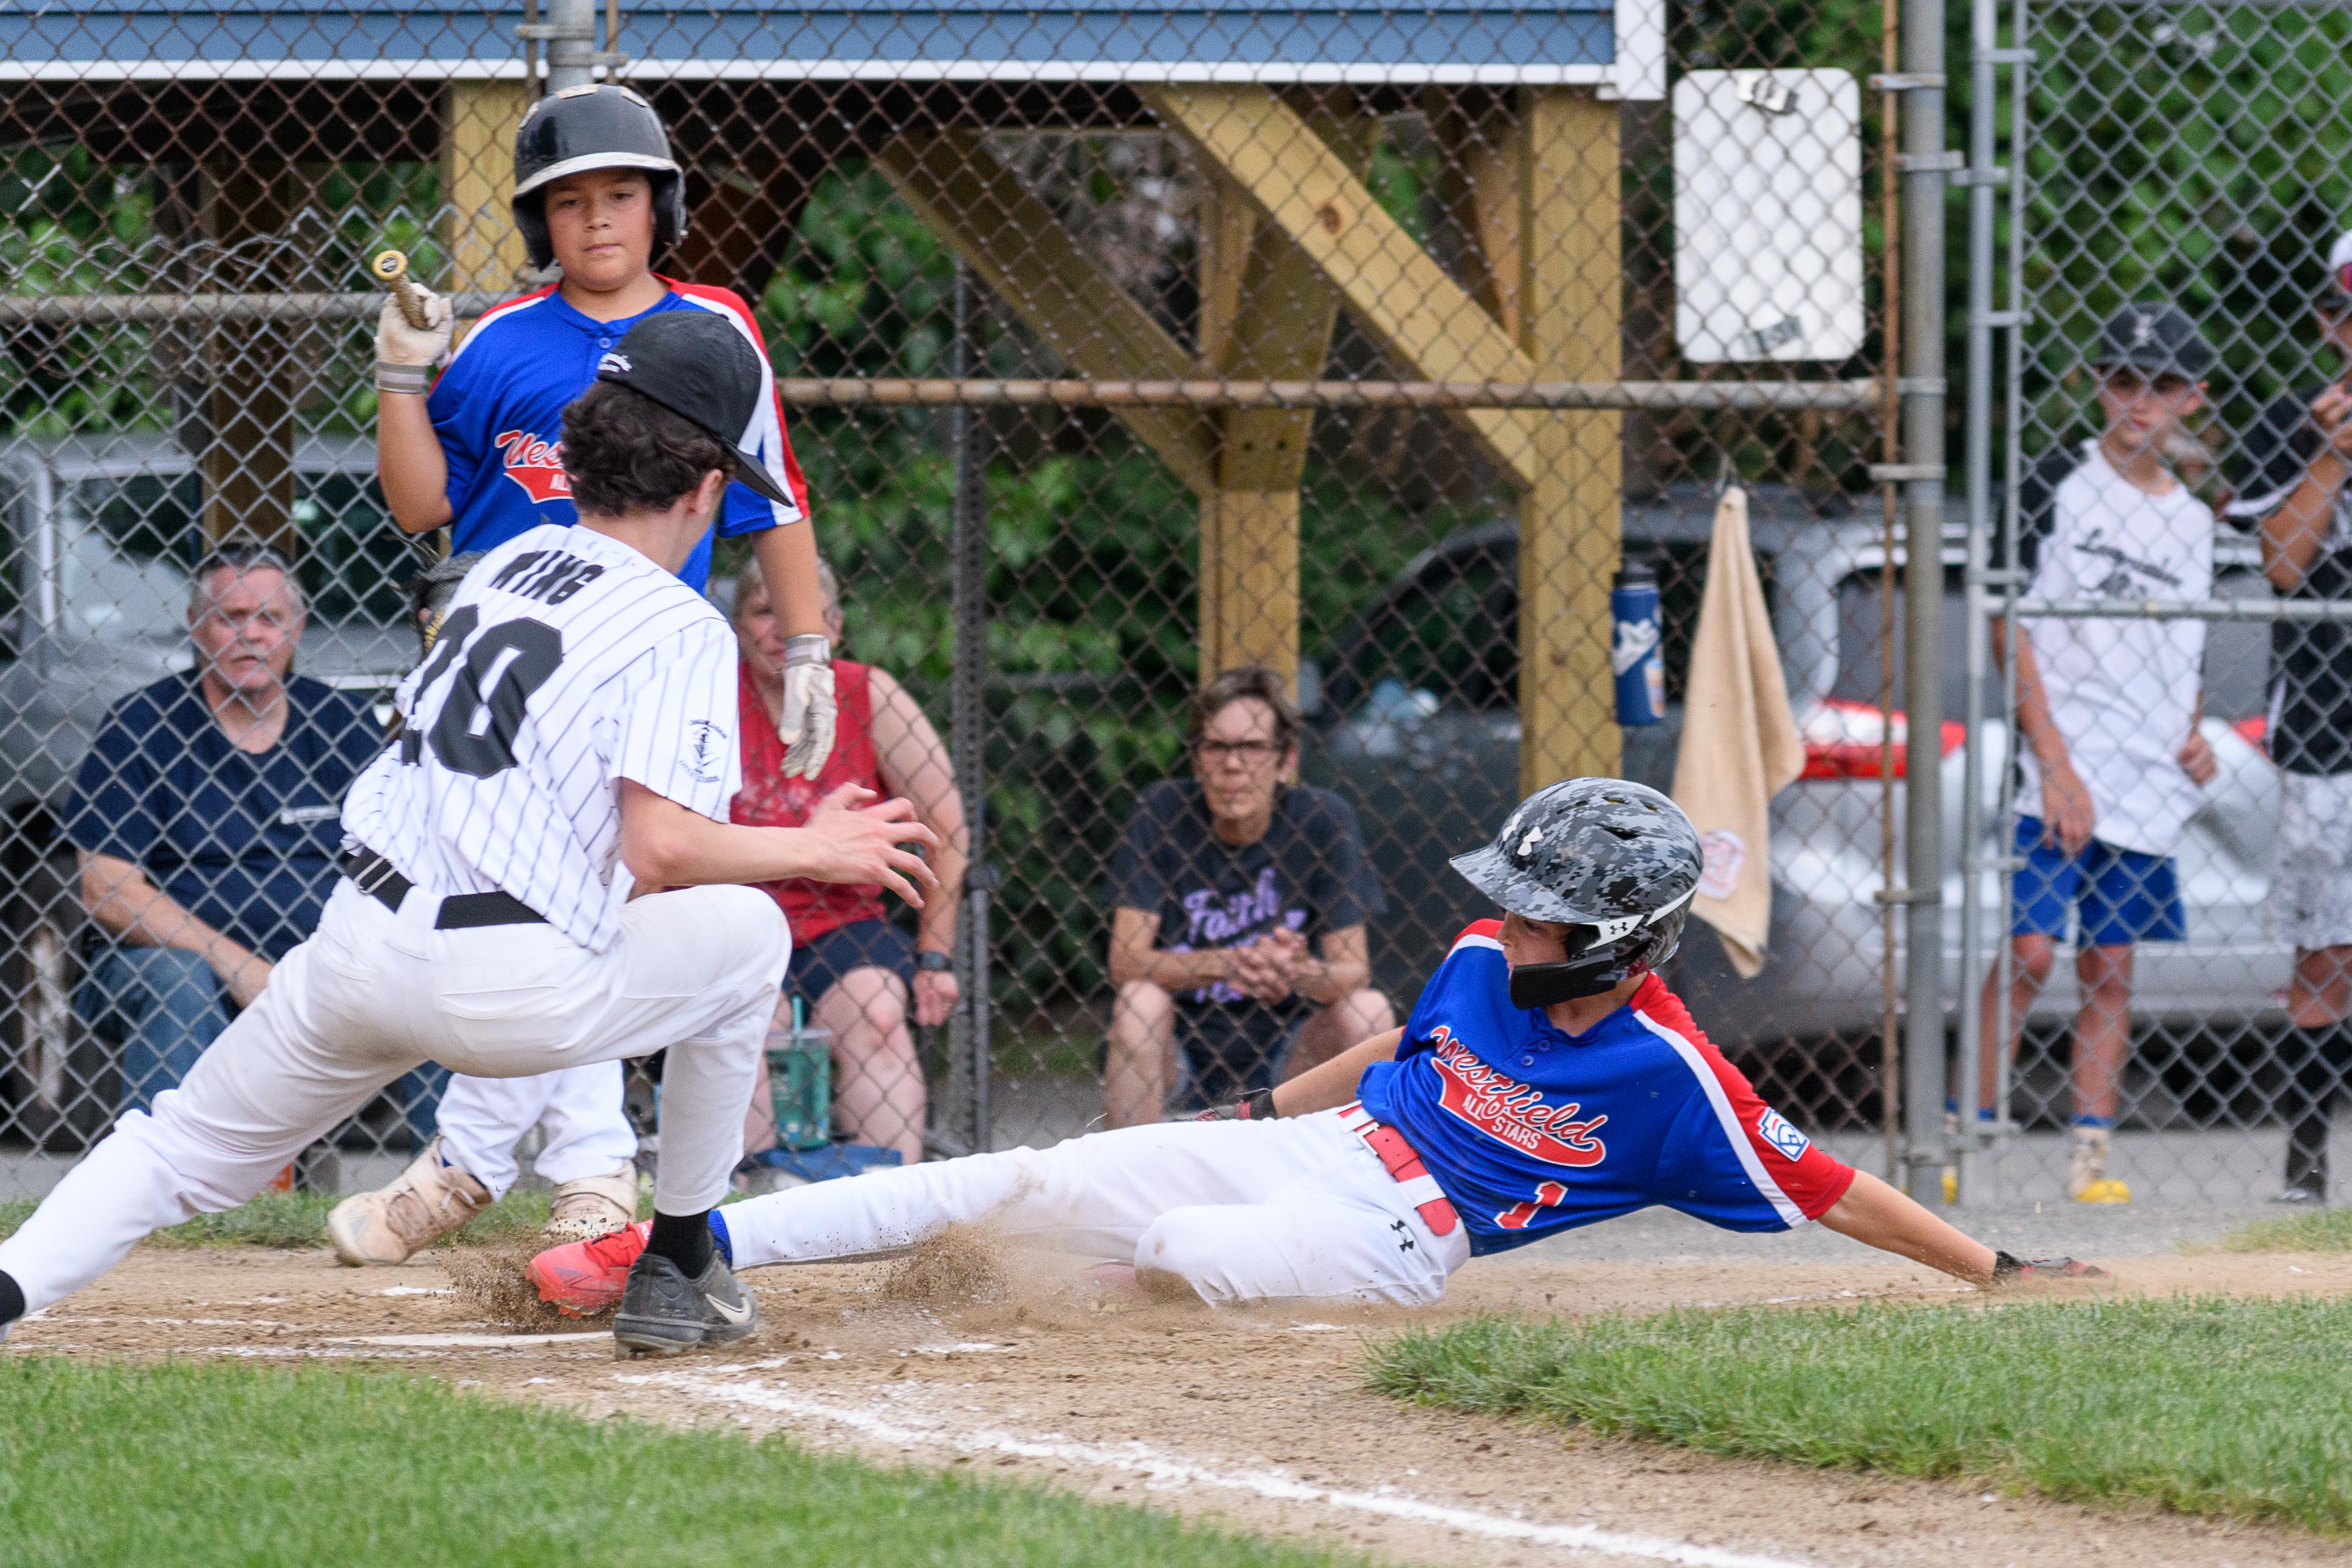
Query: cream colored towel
<point>1740,745</point>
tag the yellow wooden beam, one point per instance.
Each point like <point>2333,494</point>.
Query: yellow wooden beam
<point>1478,180</point>
<point>1030,261</point>
<point>248,459</point>
<point>1572,301</point>
<point>1306,189</point>
<point>1267,312</point>
<point>485,249</point>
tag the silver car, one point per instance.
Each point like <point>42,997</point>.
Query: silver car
<point>93,601</point>
<point>1414,717</point>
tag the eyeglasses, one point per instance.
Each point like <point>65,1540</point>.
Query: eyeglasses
<point>1251,752</point>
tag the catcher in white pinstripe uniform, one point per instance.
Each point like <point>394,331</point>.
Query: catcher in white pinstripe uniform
<point>571,736</point>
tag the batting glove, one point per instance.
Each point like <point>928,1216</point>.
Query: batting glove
<point>1256,1107</point>
<point>2008,1270</point>
<point>406,354</point>
<point>807,728</point>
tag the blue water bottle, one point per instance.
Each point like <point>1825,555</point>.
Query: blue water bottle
<point>1636,648</point>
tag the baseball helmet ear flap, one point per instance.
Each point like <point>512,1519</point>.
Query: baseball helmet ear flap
<point>601,126</point>
<point>1600,958</point>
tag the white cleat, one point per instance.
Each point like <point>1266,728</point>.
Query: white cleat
<point>589,1206</point>
<point>392,1225</point>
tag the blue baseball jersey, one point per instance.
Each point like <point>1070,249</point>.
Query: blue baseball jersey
<point>1530,1131</point>
<point>498,410</point>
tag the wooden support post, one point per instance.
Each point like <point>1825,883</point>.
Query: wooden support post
<point>1306,190</point>
<point>484,249</point>
<point>248,457</point>
<point>1266,312</point>
<point>1570,302</point>
<point>1028,260</point>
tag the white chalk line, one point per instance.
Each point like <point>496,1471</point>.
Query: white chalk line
<point>1164,1470</point>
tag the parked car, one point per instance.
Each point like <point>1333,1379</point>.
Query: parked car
<point>93,598</point>
<point>1414,716</point>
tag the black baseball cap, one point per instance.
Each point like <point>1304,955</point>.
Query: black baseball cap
<point>2154,337</point>
<point>702,369</point>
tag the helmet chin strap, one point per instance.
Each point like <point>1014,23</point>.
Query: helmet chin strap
<point>1547,985</point>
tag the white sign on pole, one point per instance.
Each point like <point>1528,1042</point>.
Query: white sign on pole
<point>1767,215</point>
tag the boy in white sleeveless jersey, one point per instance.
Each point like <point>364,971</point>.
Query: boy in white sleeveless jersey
<point>571,736</point>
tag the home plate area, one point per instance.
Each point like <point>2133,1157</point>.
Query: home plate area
<point>970,1357</point>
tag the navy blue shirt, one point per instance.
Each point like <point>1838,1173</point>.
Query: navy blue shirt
<point>246,842</point>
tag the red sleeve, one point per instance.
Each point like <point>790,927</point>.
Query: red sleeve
<point>1796,1174</point>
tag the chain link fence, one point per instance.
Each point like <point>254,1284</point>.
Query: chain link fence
<point>2173,562</point>
<point>1120,350</point>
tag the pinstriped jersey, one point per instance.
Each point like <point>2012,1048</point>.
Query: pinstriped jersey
<point>567,663</point>
<point>499,410</point>
<point>1531,1130</point>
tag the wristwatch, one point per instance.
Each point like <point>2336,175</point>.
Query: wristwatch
<point>932,963</point>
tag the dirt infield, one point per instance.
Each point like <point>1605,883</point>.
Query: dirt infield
<point>1018,1365</point>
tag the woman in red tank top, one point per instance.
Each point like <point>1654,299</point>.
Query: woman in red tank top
<point>857,969</point>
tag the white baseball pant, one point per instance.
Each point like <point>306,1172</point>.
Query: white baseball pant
<point>373,996</point>
<point>588,1131</point>
<point>1241,1211</point>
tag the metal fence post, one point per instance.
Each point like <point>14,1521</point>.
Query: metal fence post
<point>1981,177</point>
<point>1924,164</point>
<point>571,43</point>
<point>969,725</point>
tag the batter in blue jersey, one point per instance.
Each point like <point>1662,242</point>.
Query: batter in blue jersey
<point>498,411</point>
<point>1547,1078</point>
<point>597,197</point>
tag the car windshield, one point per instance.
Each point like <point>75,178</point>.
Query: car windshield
<point>125,543</point>
<point>116,540</point>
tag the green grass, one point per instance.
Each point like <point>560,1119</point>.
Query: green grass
<point>300,1219</point>
<point>205,1464</point>
<point>2218,1406</point>
<point>2321,1230</point>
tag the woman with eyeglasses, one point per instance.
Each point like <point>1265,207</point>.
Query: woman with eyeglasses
<point>1238,932</point>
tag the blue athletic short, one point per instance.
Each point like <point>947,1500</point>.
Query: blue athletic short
<point>819,964</point>
<point>2122,895</point>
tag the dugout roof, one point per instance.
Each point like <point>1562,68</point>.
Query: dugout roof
<point>1620,49</point>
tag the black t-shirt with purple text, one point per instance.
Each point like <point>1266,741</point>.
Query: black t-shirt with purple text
<point>1308,873</point>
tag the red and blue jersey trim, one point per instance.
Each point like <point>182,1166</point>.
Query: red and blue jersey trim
<point>1800,1180</point>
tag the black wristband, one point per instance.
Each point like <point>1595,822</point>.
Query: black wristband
<point>931,961</point>
<point>2005,1268</point>
<point>1256,1106</point>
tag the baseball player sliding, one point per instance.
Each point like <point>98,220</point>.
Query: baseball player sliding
<point>1546,1079</point>
<point>572,734</point>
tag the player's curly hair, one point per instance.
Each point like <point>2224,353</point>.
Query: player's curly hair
<point>624,452</point>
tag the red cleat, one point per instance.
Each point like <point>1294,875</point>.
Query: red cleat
<point>582,1277</point>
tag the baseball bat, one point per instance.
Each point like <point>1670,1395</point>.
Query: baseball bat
<point>390,269</point>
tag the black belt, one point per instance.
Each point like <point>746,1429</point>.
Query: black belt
<point>381,880</point>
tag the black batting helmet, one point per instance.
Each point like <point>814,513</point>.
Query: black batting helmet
<point>1615,861</point>
<point>602,126</point>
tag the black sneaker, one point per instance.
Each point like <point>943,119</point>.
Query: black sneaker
<point>664,1312</point>
<point>2304,1194</point>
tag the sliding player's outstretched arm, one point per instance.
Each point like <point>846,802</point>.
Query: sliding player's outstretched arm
<point>1877,1215</point>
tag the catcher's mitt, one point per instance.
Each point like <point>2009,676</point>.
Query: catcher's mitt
<point>430,590</point>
